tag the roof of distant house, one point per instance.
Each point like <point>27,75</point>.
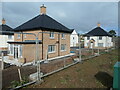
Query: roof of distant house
<point>98,31</point>
<point>6,30</point>
<point>43,22</point>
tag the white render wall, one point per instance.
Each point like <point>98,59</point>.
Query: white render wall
<point>4,39</point>
<point>73,42</point>
<point>107,41</point>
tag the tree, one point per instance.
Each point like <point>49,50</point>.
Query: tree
<point>112,32</point>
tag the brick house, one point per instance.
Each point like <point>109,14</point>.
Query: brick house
<point>98,38</point>
<point>50,44</point>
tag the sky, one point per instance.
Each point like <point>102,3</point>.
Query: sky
<point>81,16</point>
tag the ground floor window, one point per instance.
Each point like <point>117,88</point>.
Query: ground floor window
<point>20,51</point>
<point>100,44</point>
<point>63,47</point>
<point>51,48</point>
<point>11,48</point>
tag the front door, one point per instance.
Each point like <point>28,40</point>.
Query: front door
<point>91,45</point>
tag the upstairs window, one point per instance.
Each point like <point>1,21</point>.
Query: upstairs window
<point>73,38</point>
<point>9,36</point>
<point>88,38</point>
<point>63,36</point>
<point>51,34</point>
<point>18,36</point>
<point>25,36</point>
<point>100,37</point>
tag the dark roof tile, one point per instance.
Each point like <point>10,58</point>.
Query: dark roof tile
<point>98,31</point>
<point>6,30</point>
<point>43,22</point>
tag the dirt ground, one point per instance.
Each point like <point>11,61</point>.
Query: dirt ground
<point>92,73</point>
<point>11,74</point>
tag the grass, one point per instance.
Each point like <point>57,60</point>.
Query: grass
<point>94,73</point>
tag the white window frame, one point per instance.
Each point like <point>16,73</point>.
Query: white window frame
<point>51,46</point>
<point>100,45</point>
<point>25,36</point>
<point>88,37</point>
<point>100,37</point>
<point>20,51</point>
<point>63,36</point>
<point>18,36</point>
<point>52,35</point>
<point>73,38</point>
<point>64,47</point>
<point>9,36</point>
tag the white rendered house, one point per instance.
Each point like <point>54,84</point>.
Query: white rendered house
<point>5,36</point>
<point>98,38</point>
<point>74,39</point>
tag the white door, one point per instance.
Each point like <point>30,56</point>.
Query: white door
<point>91,45</point>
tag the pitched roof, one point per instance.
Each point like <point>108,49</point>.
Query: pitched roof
<point>43,22</point>
<point>98,31</point>
<point>5,30</point>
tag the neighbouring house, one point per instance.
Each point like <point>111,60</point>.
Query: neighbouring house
<point>74,39</point>
<point>5,36</point>
<point>51,44</point>
<point>98,38</point>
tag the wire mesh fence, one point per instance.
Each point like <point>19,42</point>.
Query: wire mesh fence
<point>43,53</point>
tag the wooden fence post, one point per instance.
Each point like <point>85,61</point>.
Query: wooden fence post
<point>19,74</point>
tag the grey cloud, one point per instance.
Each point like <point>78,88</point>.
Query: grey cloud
<point>82,16</point>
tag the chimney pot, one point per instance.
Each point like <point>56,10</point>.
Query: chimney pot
<point>98,24</point>
<point>42,9</point>
<point>3,21</point>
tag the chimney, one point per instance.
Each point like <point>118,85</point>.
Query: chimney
<point>98,24</point>
<point>42,9</point>
<point>3,21</point>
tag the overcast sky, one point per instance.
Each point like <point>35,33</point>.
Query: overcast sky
<point>81,16</point>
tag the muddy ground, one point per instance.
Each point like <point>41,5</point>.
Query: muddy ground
<point>92,73</point>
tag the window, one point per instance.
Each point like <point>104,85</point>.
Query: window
<point>88,38</point>
<point>63,36</point>
<point>63,47</point>
<point>18,36</point>
<point>100,44</point>
<point>24,35</point>
<point>51,34</point>
<point>51,48</point>
<point>73,38</point>
<point>20,51</point>
<point>100,37</point>
<point>11,49</point>
<point>9,36</point>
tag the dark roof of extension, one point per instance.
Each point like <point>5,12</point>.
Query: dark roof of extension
<point>5,30</point>
<point>25,42</point>
<point>43,22</point>
<point>98,31</point>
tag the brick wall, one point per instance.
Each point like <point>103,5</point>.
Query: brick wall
<point>29,50</point>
